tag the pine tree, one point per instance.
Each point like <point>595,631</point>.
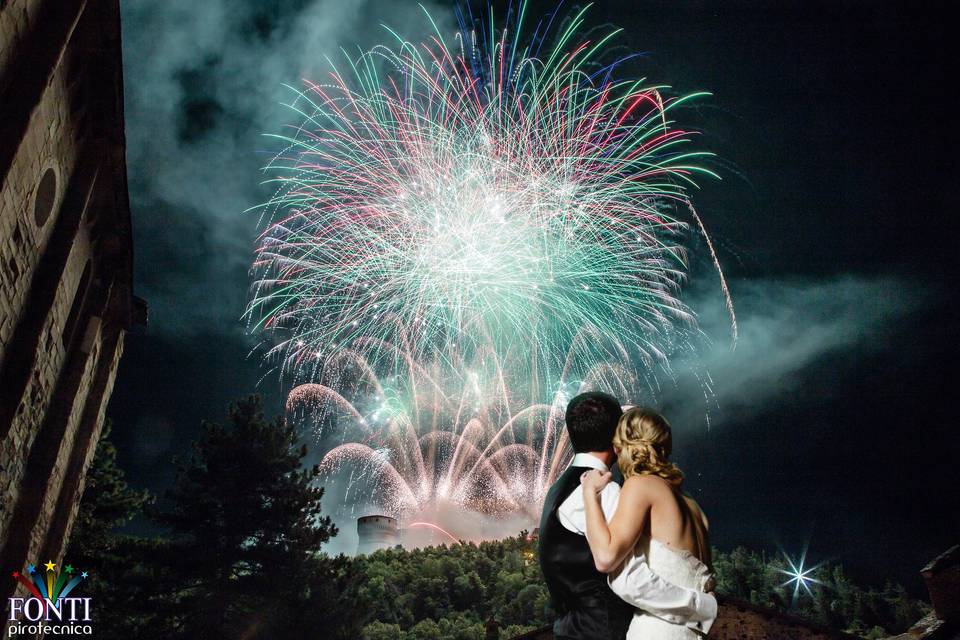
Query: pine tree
<point>107,504</point>
<point>112,558</point>
<point>245,529</point>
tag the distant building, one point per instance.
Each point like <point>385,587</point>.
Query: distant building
<point>377,532</point>
<point>66,261</point>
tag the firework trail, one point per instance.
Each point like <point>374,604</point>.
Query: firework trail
<point>485,188</point>
<point>430,525</point>
<point>469,435</point>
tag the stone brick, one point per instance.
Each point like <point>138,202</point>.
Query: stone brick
<point>54,391</point>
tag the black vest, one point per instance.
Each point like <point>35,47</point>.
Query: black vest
<point>586,607</point>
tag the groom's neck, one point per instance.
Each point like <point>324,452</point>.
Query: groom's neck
<point>606,457</point>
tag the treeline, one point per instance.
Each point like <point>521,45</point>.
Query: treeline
<point>830,597</point>
<point>448,592</point>
<point>238,558</point>
<point>451,592</point>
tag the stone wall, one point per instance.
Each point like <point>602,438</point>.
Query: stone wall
<point>17,19</point>
<point>65,261</point>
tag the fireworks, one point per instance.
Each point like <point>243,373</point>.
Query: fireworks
<point>465,233</point>
<point>475,191</point>
<point>430,525</point>
<point>415,436</point>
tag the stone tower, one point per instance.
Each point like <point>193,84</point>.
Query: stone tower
<point>377,532</point>
<point>65,261</point>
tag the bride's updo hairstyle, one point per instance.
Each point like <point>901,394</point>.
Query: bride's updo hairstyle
<point>644,441</point>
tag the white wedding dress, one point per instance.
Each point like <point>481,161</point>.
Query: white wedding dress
<point>681,568</point>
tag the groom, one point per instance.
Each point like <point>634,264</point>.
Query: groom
<point>586,607</point>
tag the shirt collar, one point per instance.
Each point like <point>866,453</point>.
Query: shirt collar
<point>587,460</point>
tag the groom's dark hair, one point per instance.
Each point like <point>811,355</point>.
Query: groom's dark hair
<point>592,420</point>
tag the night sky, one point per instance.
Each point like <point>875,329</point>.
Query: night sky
<point>832,424</point>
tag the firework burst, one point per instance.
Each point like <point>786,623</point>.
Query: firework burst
<point>413,436</point>
<point>471,191</point>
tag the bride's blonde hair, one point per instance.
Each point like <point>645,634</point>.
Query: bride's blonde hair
<point>644,441</point>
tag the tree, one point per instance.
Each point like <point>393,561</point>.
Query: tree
<point>107,503</point>
<point>425,630</point>
<point>245,529</point>
<point>332,601</point>
<point>382,631</point>
<point>112,558</point>
<point>467,589</point>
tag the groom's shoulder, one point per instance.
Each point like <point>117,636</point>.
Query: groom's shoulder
<point>562,481</point>
<point>567,482</point>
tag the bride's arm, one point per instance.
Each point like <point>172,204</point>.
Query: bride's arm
<point>611,543</point>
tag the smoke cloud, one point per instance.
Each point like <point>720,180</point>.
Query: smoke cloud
<point>204,81</point>
<point>785,327</point>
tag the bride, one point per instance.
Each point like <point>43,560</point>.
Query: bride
<point>653,518</point>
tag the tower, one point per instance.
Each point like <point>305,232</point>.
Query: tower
<point>377,532</point>
<point>66,259</point>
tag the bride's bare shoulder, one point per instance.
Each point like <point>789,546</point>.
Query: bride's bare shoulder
<point>647,484</point>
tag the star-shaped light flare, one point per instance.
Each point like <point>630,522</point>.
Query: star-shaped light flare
<point>800,576</point>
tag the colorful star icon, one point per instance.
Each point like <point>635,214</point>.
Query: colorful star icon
<point>31,568</point>
<point>83,574</point>
<point>68,568</point>
<point>16,574</point>
<point>50,566</point>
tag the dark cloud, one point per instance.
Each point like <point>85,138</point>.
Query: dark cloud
<point>204,82</point>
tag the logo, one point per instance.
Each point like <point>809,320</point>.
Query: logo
<point>50,609</point>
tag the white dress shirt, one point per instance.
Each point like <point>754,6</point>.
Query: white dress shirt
<point>636,583</point>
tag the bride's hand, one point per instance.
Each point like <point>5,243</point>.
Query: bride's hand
<point>595,480</point>
<point>711,585</point>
